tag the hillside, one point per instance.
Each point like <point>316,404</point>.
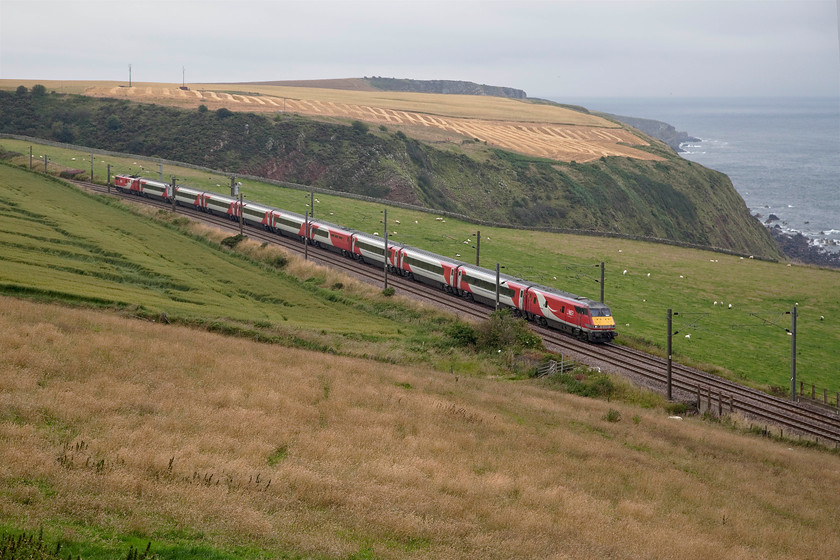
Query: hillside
<point>120,428</point>
<point>564,169</point>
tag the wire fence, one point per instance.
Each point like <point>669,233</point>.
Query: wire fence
<point>819,396</point>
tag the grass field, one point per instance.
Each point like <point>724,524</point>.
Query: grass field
<point>64,246</point>
<point>119,432</point>
<point>747,342</point>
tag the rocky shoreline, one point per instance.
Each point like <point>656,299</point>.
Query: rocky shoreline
<point>798,248</point>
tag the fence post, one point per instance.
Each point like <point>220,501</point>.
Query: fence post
<point>709,400</point>
<point>720,404</point>
<point>698,399</point>
<point>813,392</point>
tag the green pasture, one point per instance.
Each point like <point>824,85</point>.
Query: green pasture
<point>60,244</point>
<point>747,341</point>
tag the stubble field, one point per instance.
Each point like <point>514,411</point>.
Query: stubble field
<point>540,130</point>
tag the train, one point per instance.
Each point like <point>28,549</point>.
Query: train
<point>578,316</point>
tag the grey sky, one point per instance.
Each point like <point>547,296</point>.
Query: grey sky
<point>549,48</point>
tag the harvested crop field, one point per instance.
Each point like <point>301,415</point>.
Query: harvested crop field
<point>544,131</point>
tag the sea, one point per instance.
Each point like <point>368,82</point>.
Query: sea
<point>782,154</point>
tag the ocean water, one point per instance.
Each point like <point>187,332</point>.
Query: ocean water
<point>782,154</point>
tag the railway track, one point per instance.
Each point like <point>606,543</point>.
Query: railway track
<point>791,418</point>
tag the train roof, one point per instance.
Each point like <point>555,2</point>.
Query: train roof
<point>259,205</point>
<point>435,256</point>
<point>153,181</point>
<point>502,276</point>
<point>568,295</point>
<point>288,213</point>
<point>221,196</point>
<point>314,222</point>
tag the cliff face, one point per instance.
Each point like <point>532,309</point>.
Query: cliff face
<point>658,129</point>
<point>444,86</point>
<point>671,198</point>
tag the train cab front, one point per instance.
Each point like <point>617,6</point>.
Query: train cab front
<point>602,328</point>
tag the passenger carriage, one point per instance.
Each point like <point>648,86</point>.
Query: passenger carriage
<point>480,284</point>
<point>258,215</point>
<point>371,249</point>
<point>222,205</point>
<point>429,268</point>
<point>155,189</point>
<point>331,237</point>
<point>289,223</point>
<point>188,196</point>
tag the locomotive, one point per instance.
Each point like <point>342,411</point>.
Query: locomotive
<point>579,316</point>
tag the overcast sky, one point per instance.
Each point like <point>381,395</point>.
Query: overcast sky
<point>549,48</point>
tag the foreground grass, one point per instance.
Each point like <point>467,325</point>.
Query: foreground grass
<point>746,341</point>
<point>118,432</point>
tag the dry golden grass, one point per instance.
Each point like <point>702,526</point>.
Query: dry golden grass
<point>328,456</point>
<point>535,129</point>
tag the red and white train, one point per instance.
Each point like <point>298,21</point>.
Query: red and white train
<point>579,316</point>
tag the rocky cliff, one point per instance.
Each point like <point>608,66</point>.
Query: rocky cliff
<point>658,129</point>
